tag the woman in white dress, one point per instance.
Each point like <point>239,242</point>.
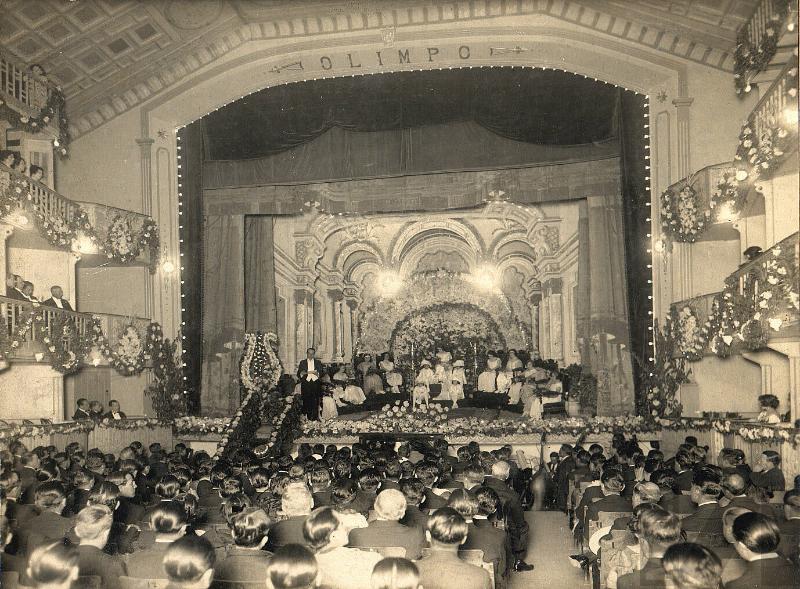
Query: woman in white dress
<point>457,380</point>
<point>329,410</point>
<point>341,375</point>
<point>513,362</point>
<point>426,375</point>
<point>354,394</point>
<point>393,378</point>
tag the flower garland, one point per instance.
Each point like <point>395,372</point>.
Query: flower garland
<point>121,242</point>
<point>53,110</point>
<point>201,425</point>
<point>754,58</point>
<point>284,424</point>
<point>16,431</point>
<point>662,375</point>
<point>691,342</point>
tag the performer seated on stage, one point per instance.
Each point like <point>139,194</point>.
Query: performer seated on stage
<point>393,378</point>
<point>341,375</point>
<point>353,394</point>
<point>513,361</point>
<point>420,395</point>
<point>329,409</point>
<point>487,380</point>
<point>373,383</point>
<point>515,390</point>
<point>426,375</point>
<point>458,378</point>
<point>504,380</point>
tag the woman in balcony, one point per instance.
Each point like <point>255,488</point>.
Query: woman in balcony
<point>769,409</point>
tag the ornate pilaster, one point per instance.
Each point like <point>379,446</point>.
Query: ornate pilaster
<point>684,156</point>
<point>336,323</point>
<point>145,149</point>
<point>355,334</point>
<point>556,338</point>
<point>301,298</point>
<point>536,301</point>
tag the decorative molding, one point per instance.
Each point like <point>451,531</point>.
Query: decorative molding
<point>178,65</point>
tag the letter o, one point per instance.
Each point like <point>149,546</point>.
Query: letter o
<point>463,52</point>
<point>325,62</point>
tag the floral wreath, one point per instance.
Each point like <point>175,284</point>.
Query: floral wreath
<point>681,215</point>
<point>691,342</point>
<point>749,57</point>
<point>258,349</point>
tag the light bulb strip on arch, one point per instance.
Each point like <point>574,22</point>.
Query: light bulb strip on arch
<point>179,168</point>
<point>649,245</point>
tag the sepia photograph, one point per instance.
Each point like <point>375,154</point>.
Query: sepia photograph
<point>399,294</point>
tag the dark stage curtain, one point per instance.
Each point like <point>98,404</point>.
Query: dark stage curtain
<point>525,105</point>
<point>635,198</point>
<point>190,138</point>
<point>259,274</point>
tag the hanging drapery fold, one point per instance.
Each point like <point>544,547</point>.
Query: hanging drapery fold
<point>259,274</point>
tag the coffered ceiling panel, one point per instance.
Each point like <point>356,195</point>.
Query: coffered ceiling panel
<point>101,50</point>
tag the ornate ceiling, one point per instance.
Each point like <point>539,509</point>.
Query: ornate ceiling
<point>110,55</point>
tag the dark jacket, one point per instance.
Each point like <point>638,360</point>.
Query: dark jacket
<point>80,414</point>
<point>678,504</point>
<point>494,543</point>
<point>110,415</point>
<point>707,521</point>
<point>775,573</point>
<point>243,565</point>
<point>651,576</point>
<point>444,570</point>
<point>95,562</point>
<point>415,518</point>
<point>772,480</point>
<point>288,531</point>
<point>381,533</point>
<point>64,304</point>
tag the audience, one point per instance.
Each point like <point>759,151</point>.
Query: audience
<point>181,518</point>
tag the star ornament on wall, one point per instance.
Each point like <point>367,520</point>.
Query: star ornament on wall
<point>163,133</point>
<point>661,96</point>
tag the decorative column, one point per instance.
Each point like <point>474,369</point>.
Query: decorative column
<point>555,336</point>
<point>536,301</point>
<point>145,147</point>
<point>682,104</point>
<point>300,322</point>
<point>355,334</point>
<point>544,328</point>
<point>337,349</point>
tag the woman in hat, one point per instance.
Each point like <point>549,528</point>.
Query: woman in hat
<point>457,380</point>
<point>393,378</point>
<point>425,375</point>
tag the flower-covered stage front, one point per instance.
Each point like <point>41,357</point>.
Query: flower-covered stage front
<point>489,427</point>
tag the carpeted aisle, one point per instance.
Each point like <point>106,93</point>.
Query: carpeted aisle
<point>550,546</point>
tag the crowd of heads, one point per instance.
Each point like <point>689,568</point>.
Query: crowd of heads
<point>15,161</point>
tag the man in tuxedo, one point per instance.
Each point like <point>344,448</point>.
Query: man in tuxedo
<point>57,299</point>
<point>309,372</point>
<point>114,411</point>
<point>14,290</point>
<point>82,412</point>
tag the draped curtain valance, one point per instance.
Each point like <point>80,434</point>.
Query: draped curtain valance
<point>525,105</point>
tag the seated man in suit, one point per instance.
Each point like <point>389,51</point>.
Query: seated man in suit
<point>369,481</point>
<point>168,522</point>
<point>386,529</point>
<point>482,534</point>
<point>92,527</point>
<point>50,499</point>
<point>14,290</point>
<point>28,476</point>
<point>57,299</point>
<point>321,486</point>
<point>428,473</point>
<point>757,538</point>
<point>246,561</point>
<point>81,410</point>
<point>676,503</point>
<point>612,485</point>
<point>114,411</point>
<point>705,524</point>
<point>658,530</point>
<point>296,504</point>
<point>789,526</point>
<point>414,492</point>
<point>441,568</point>
<point>129,510</point>
<point>517,527</point>
<point>734,487</point>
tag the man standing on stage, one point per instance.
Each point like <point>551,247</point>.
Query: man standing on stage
<point>309,372</point>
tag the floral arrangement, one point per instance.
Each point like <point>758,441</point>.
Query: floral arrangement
<point>54,110</point>
<point>681,214</point>
<point>754,58</point>
<point>167,391</point>
<point>759,433</point>
<point>461,328</point>
<point>134,423</point>
<point>690,341</point>
<point>662,374</point>
<point>201,425</point>
<point>130,354</point>
<point>260,365</point>
<point>121,242</point>
<point>284,420</point>
<point>401,418</point>
<point>379,314</point>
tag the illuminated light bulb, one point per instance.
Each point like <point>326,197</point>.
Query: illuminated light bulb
<point>168,267</point>
<point>748,88</point>
<point>726,212</point>
<point>741,175</point>
<point>790,27</point>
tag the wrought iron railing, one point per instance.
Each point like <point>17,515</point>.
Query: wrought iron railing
<point>701,305</point>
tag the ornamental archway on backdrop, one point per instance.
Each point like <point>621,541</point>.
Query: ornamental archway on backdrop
<point>465,330</point>
<point>380,315</point>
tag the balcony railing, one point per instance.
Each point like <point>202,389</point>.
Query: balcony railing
<point>24,91</point>
<point>701,305</point>
<point>776,103</point>
<point>58,210</point>
<point>764,42</point>
<point>750,278</point>
<point>16,313</point>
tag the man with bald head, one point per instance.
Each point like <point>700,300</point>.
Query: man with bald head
<point>386,530</point>
<point>735,489</point>
<point>57,299</point>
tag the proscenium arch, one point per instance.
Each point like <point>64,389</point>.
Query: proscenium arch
<point>427,243</point>
<point>406,239</point>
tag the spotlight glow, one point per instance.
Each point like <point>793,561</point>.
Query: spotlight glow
<point>726,212</point>
<point>389,283</point>
<point>659,246</point>
<point>168,267</point>
<point>84,244</point>
<point>485,277</point>
<point>790,116</point>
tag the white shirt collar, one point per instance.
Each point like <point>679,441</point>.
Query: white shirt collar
<point>58,303</point>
